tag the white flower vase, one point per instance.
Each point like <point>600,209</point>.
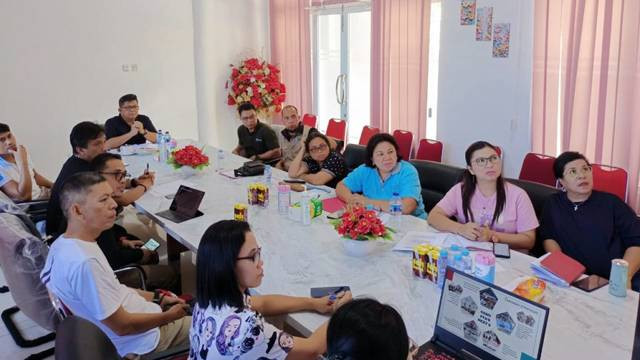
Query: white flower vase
<point>358,248</point>
<point>188,171</point>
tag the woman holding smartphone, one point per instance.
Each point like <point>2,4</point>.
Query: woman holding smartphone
<point>486,207</point>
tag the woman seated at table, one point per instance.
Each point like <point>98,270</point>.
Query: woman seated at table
<point>227,321</point>
<point>487,208</point>
<point>367,329</point>
<point>383,174</point>
<point>322,166</point>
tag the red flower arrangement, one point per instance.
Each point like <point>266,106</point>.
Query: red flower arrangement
<point>189,156</point>
<point>361,224</point>
<point>258,82</point>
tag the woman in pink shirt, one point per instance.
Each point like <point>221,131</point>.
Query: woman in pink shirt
<point>487,207</point>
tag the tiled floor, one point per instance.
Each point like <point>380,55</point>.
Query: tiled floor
<point>8,348</point>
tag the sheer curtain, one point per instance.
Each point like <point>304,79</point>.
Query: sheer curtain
<point>290,49</point>
<point>586,82</point>
<point>399,64</point>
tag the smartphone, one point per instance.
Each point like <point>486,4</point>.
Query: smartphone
<point>501,250</point>
<point>151,245</point>
<point>319,292</point>
<point>294,181</point>
<point>590,283</point>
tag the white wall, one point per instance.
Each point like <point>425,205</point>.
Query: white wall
<point>226,31</point>
<point>481,97</point>
<point>62,63</point>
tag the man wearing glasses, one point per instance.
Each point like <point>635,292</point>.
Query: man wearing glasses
<point>256,141</point>
<point>593,227</point>
<point>119,246</point>
<point>129,127</point>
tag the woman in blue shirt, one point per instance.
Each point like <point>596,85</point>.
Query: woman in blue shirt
<point>383,174</point>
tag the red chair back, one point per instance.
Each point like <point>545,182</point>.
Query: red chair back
<point>498,150</point>
<point>538,168</point>
<point>610,179</point>
<point>405,142</point>
<point>337,129</point>
<point>367,133</point>
<point>309,120</point>
<point>429,150</point>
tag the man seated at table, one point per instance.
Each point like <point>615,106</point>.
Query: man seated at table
<point>129,127</point>
<point>77,272</point>
<point>87,141</point>
<point>19,180</point>
<point>293,136</point>
<point>256,141</point>
<point>593,227</point>
<point>119,246</point>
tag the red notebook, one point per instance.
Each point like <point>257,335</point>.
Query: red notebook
<point>563,266</point>
<point>332,205</point>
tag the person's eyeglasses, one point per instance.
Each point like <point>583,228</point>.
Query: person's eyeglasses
<point>119,175</point>
<point>573,172</point>
<point>247,118</point>
<point>483,161</point>
<point>318,148</point>
<point>130,108</point>
<point>255,257</point>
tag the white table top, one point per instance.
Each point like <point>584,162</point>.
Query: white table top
<point>297,257</point>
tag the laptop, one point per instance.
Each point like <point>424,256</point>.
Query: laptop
<point>184,206</point>
<point>478,320</point>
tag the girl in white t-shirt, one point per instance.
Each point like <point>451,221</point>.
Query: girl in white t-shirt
<point>227,321</point>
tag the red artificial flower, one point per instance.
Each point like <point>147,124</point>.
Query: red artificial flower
<point>231,100</point>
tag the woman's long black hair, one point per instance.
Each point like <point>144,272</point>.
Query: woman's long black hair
<point>469,185</point>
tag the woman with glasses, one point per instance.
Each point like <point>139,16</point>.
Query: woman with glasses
<point>485,206</point>
<point>321,165</point>
<point>590,226</point>
<point>228,322</point>
<point>383,174</point>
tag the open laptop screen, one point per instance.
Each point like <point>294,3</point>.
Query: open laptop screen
<point>187,200</point>
<point>487,321</point>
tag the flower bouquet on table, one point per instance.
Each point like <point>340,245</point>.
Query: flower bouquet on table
<point>257,82</point>
<point>359,228</point>
<point>189,159</point>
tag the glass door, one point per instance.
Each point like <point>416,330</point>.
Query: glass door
<point>341,66</point>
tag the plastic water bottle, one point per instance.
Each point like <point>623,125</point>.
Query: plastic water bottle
<point>284,199</point>
<point>458,264</point>
<point>442,267</point>
<point>220,156</point>
<point>395,208</point>
<point>305,207</point>
<point>267,174</point>
<point>467,261</point>
<point>167,144</point>
<point>162,153</point>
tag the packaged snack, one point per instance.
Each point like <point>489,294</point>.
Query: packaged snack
<point>531,288</point>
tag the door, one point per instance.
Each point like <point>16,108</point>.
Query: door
<point>341,66</point>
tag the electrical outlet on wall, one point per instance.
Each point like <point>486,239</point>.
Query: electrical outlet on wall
<point>125,67</point>
<point>134,67</point>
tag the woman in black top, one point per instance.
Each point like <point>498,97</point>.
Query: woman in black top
<point>321,165</point>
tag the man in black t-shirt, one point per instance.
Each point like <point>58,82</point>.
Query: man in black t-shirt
<point>87,141</point>
<point>129,127</point>
<point>256,141</point>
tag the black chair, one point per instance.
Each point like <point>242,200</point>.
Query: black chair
<point>538,193</point>
<point>354,156</point>
<point>435,179</point>
<point>78,338</point>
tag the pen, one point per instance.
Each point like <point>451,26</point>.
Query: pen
<point>147,170</point>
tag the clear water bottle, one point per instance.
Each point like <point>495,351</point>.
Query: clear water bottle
<point>162,154</point>
<point>442,266</point>
<point>467,261</point>
<point>305,207</point>
<point>458,264</point>
<point>167,144</point>
<point>220,157</point>
<point>395,208</point>
<point>267,174</point>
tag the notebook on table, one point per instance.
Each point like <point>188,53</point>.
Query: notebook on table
<point>184,205</point>
<point>478,320</point>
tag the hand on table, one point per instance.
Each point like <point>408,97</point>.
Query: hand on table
<point>330,303</point>
<point>470,230</point>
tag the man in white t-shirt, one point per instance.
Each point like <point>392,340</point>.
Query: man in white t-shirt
<point>19,180</point>
<point>77,272</point>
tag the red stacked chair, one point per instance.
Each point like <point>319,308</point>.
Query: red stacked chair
<point>309,120</point>
<point>538,168</point>
<point>429,150</point>
<point>337,129</point>
<point>610,179</point>
<point>405,142</point>
<point>367,133</point>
